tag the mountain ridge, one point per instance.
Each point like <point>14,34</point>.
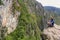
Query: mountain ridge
<point>52,9</point>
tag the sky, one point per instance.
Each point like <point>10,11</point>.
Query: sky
<point>55,3</point>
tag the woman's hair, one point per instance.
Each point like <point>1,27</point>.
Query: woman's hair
<point>51,17</point>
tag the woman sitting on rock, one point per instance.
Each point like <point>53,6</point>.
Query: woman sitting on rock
<point>51,22</point>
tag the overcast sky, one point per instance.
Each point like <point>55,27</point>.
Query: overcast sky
<point>55,3</point>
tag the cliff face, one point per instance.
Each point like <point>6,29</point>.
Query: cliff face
<point>22,18</point>
<point>36,8</point>
<point>8,19</point>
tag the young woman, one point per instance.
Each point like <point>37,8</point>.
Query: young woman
<point>51,22</point>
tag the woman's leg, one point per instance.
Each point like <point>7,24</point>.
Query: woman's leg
<point>49,24</point>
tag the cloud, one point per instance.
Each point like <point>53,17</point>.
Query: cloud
<point>55,3</point>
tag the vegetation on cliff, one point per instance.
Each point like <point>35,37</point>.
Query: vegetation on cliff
<point>27,28</point>
<point>1,2</point>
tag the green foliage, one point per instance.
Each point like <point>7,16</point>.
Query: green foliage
<point>57,20</point>
<point>27,28</point>
<point>1,2</point>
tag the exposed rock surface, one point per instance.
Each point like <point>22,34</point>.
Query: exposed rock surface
<point>8,19</point>
<point>52,33</point>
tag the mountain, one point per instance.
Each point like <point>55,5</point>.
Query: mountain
<point>26,20</point>
<point>52,9</point>
<point>21,20</point>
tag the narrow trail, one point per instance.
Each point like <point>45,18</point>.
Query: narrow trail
<point>52,33</point>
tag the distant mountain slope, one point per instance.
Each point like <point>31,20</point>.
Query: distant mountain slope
<point>52,9</point>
